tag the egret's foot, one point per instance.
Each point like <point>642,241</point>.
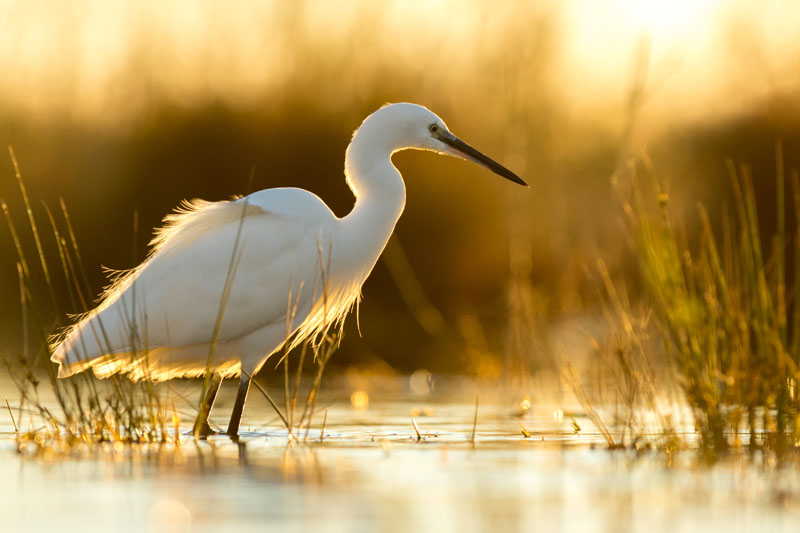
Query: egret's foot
<point>204,431</point>
<point>204,436</point>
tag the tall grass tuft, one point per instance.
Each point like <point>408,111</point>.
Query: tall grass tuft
<point>728,319</point>
<point>87,411</point>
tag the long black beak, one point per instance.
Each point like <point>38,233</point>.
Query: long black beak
<point>462,149</point>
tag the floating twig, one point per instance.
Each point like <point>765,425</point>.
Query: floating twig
<point>575,427</point>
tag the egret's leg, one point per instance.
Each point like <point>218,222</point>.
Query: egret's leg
<point>201,427</point>
<point>238,406</point>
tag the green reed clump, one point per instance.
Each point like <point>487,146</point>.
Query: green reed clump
<point>729,321</point>
<point>87,411</point>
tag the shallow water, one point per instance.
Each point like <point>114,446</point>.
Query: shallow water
<point>371,472</point>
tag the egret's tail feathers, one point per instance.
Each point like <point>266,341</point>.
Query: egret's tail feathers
<point>162,364</point>
<point>155,364</point>
<point>77,348</point>
<point>66,370</point>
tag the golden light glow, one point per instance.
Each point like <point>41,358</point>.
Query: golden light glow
<point>169,514</point>
<point>359,400</point>
<point>420,382</point>
<point>425,411</point>
<point>666,17</point>
<point>115,58</point>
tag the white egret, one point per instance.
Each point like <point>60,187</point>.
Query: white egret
<point>264,251</point>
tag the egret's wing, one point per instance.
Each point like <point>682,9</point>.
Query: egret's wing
<point>192,219</point>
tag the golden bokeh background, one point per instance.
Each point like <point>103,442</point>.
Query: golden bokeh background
<point>123,107</point>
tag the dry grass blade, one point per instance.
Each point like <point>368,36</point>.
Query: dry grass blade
<point>11,414</point>
<point>416,429</point>
<point>474,422</point>
<point>571,376</point>
<point>266,394</point>
<point>324,423</point>
<point>15,237</point>
<point>34,229</point>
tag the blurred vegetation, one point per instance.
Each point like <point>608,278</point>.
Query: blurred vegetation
<point>724,308</point>
<point>125,111</point>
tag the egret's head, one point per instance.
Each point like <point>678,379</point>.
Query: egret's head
<point>403,125</point>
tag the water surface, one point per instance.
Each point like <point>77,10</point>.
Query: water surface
<point>372,472</point>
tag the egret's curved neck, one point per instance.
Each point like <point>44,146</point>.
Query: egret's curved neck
<point>370,172</point>
<point>379,190</point>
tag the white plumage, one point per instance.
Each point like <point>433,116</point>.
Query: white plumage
<point>289,253</point>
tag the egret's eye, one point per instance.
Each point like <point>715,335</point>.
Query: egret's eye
<point>433,128</point>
